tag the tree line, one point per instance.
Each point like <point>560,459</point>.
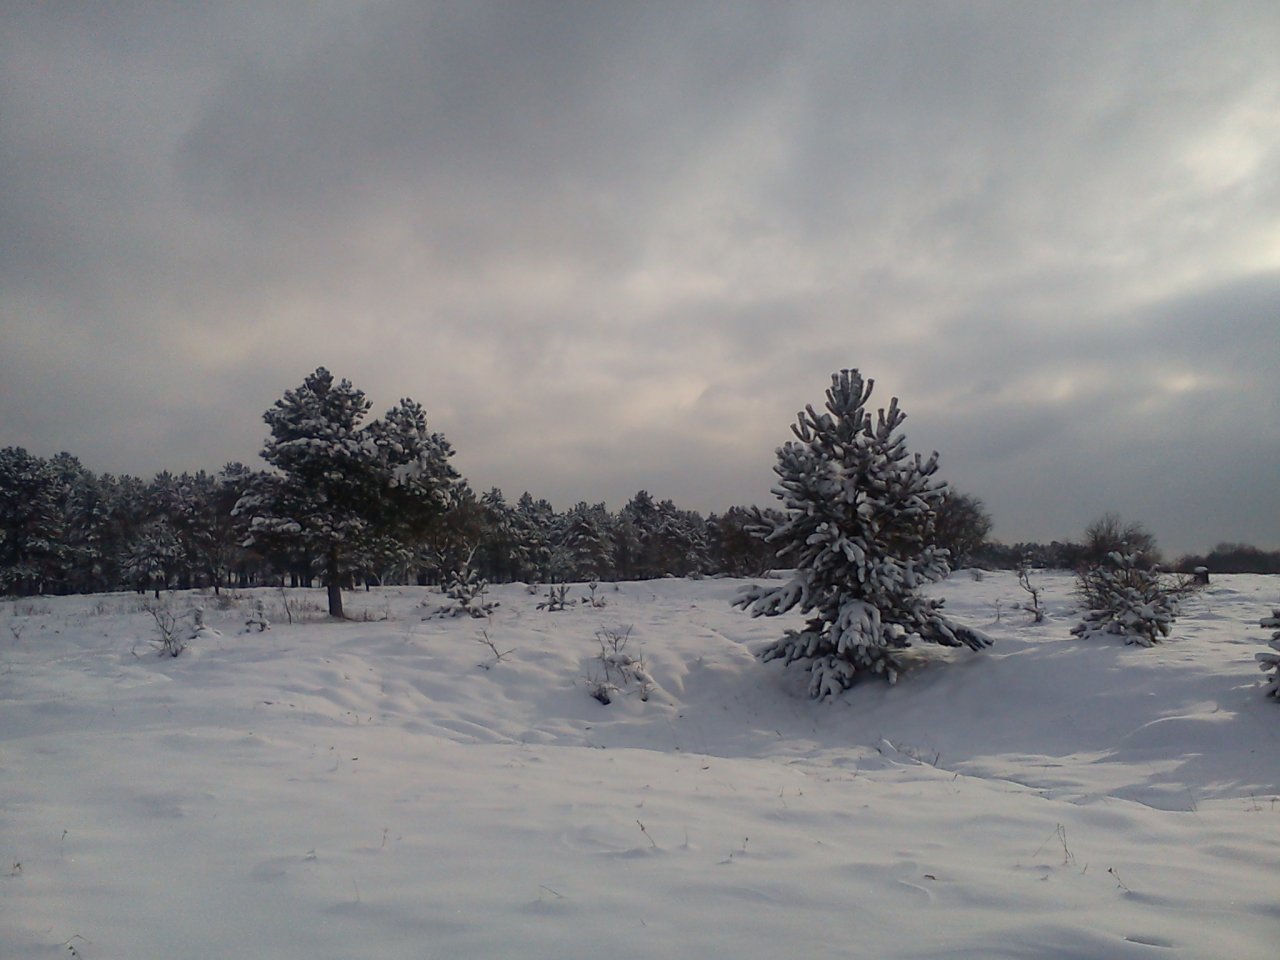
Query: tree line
<point>68,530</point>
<point>346,501</point>
<point>1072,555</point>
<point>350,500</point>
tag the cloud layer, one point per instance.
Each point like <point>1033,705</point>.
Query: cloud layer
<point>614,246</point>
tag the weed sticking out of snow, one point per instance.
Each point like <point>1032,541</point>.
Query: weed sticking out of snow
<point>169,643</point>
<point>498,655</point>
<point>621,670</point>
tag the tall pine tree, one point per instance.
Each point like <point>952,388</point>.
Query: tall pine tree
<point>31,535</point>
<point>342,484</point>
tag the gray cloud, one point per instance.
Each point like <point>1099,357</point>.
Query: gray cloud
<point>614,246</point>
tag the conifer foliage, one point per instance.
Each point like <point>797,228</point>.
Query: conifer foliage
<point>31,536</point>
<point>857,527</point>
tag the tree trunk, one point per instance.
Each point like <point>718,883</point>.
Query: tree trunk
<point>334,583</point>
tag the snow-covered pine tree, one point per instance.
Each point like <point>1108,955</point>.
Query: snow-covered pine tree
<point>451,543</point>
<point>584,548</point>
<point>86,516</point>
<point>740,550</point>
<point>534,525</point>
<point>655,539</point>
<point>29,530</point>
<point>857,528</point>
<point>126,514</point>
<point>467,590</point>
<point>1269,661</point>
<point>682,534</point>
<point>1125,598</point>
<point>342,484</point>
<point>76,499</point>
<point>422,484</point>
<point>152,556</point>
<point>500,556</point>
<point>637,545</point>
<point>328,478</point>
<point>202,522</point>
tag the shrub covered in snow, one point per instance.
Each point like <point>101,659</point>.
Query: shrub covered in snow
<point>1126,598</point>
<point>199,629</point>
<point>858,529</point>
<point>1269,661</point>
<point>166,621</point>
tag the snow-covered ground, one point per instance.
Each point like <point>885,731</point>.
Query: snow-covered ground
<point>384,788</point>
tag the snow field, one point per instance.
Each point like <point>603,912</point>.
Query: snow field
<point>385,789</point>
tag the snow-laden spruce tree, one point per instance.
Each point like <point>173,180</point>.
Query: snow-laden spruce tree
<point>1269,661</point>
<point>857,527</point>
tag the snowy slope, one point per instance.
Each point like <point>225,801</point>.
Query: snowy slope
<point>384,788</point>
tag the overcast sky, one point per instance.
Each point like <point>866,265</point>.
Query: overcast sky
<point>614,246</point>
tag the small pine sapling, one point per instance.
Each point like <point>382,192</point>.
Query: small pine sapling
<point>257,619</point>
<point>592,598</point>
<point>1127,599</point>
<point>557,599</point>
<point>1268,661</point>
<point>199,629</point>
<point>467,591</point>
